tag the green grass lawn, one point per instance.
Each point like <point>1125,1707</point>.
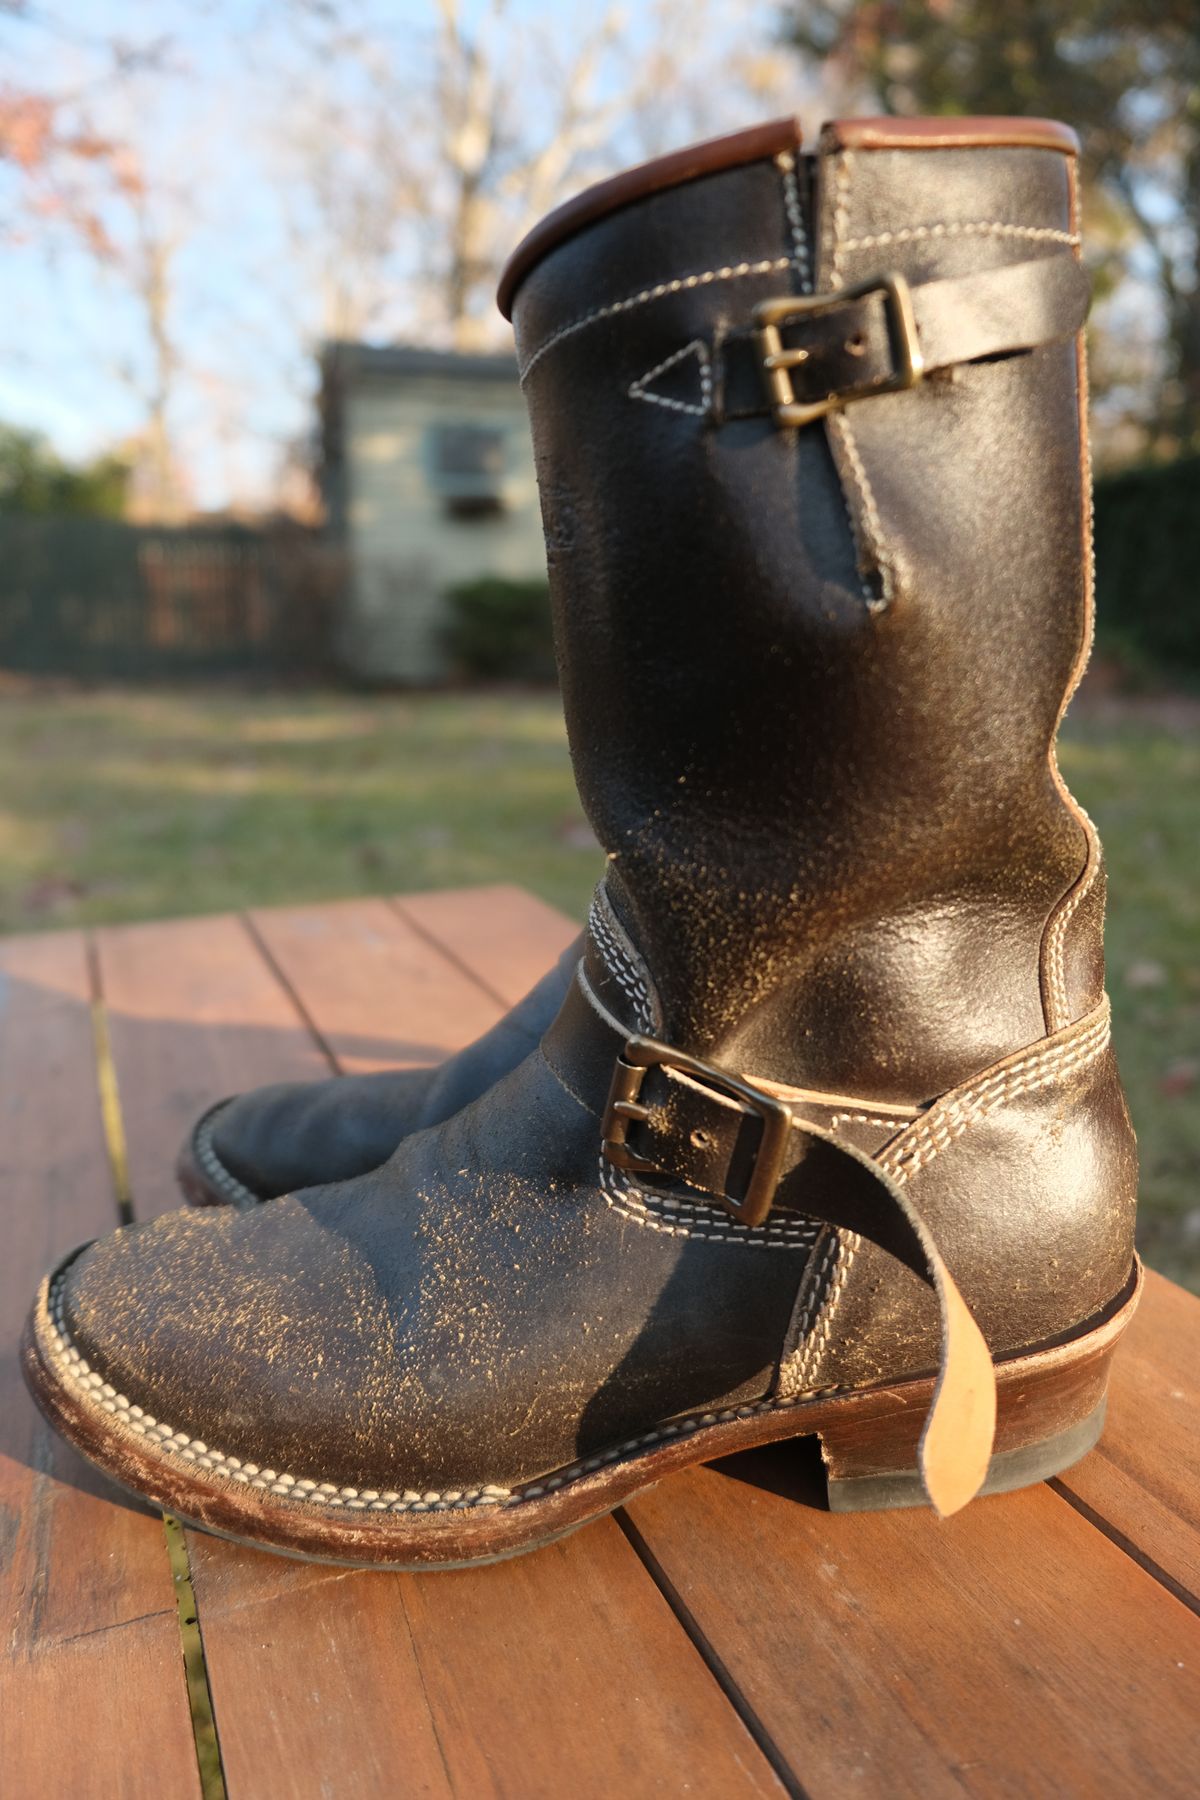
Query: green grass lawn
<point>124,804</point>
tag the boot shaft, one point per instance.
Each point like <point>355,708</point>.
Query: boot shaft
<point>813,673</point>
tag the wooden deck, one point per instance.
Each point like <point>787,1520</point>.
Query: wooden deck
<point>724,1636</point>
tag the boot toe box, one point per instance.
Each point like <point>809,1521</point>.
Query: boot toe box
<point>248,1349</point>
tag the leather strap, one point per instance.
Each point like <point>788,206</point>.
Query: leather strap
<point>696,1133</point>
<point>850,345</point>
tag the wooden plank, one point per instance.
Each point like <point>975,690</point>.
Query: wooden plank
<point>564,1670</point>
<point>504,936</point>
<point>91,1638</point>
<point>194,1014</point>
<point>367,974</point>
<point>1012,1650</point>
<point>561,1672</point>
<point>1142,1482</point>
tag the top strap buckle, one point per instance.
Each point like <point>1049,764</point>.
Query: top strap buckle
<point>778,360</point>
<point>625,1108</point>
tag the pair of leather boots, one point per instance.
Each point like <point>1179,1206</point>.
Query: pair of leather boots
<point>817,1130</point>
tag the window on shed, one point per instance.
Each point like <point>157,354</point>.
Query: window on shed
<point>466,467</point>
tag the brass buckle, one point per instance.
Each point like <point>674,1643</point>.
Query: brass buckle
<point>625,1108</point>
<point>778,361</point>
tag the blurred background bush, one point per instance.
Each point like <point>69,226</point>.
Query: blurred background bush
<point>267,508</point>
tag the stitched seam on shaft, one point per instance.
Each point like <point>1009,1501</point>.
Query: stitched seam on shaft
<point>866,1118</point>
<point>206,1155</point>
<point>659,1212</point>
<point>818,1276</point>
<point>698,349</point>
<point>785,162</point>
<point>972,228</point>
<point>620,966</point>
<point>288,1487</point>
<point>678,285</point>
<point>903,1159</point>
<point>1056,941</point>
<point>870,525</point>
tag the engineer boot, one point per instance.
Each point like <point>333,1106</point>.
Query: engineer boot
<point>300,1134</point>
<point>827,1136</point>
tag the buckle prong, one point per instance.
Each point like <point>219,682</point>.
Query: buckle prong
<point>625,1108</point>
<point>778,359</point>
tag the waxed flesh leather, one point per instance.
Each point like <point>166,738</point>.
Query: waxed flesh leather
<point>810,714</point>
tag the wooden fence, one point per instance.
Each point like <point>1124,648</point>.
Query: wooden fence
<point>97,598</point>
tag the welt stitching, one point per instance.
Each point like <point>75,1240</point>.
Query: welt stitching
<point>210,1162</point>
<point>697,348</point>
<point>678,285</point>
<point>250,1474</point>
<point>969,228</point>
<point>326,1493</point>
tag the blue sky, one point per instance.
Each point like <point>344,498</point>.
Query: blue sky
<point>212,130</point>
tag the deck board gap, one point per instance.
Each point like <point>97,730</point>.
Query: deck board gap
<point>110,1097</point>
<point>195,1667</point>
<point>305,1016</point>
<point>444,950</point>
<point>713,1662</point>
<point>1122,1542</point>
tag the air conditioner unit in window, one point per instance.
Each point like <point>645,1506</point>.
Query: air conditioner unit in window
<point>466,466</point>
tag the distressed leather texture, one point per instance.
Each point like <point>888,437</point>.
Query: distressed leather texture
<point>811,680</point>
<point>302,1134</point>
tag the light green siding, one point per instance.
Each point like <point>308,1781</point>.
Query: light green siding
<point>405,546</point>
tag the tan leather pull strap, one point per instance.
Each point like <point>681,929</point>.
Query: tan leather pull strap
<point>850,1190</point>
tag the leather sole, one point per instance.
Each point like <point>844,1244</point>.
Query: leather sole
<point>1050,1413</point>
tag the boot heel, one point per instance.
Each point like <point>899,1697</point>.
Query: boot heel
<point>1050,1412</point>
<point>1008,1469</point>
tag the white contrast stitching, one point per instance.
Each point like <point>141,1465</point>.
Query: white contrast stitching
<point>326,1493</point>
<point>250,1474</point>
<point>680,284</point>
<point>785,162</point>
<point>1056,940</point>
<point>619,964</point>
<point>206,1155</point>
<point>661,1212</point>
<point>970,228</point>
<point>866,1118</point>
<point>698,349</point>
<point>917,1146</point>
<point>870,525</point>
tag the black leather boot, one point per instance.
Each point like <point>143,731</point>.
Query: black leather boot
<point>299,1134</point>
<point>827,1137</point>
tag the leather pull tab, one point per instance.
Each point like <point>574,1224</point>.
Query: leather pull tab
<point>956,1444</point>
<point>959,1431</point>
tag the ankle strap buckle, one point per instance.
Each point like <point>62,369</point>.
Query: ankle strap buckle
<point>778,360</point>
<point>626,1108</point>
